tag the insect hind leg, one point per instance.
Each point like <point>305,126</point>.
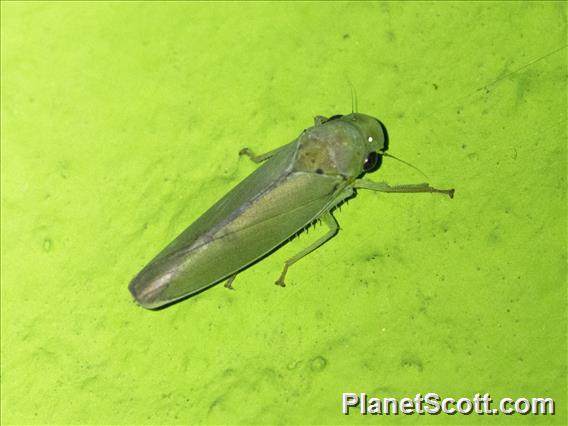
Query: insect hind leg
<point>333,228</point>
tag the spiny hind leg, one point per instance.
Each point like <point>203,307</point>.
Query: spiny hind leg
<point>330,221</point>
<point>229,283</point>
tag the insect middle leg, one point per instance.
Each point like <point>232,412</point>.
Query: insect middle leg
<point>413,188</point>
<point>229,283</point>
<point>333,228</point>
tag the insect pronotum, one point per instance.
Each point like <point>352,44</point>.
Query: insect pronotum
<point>297,184</point>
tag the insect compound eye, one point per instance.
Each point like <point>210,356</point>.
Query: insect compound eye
<point>372,162</point>
<point>385,135</point>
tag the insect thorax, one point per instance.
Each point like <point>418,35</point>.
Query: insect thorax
<point>334,148</point>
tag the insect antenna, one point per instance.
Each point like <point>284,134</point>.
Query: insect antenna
<point>407,163</point>
<point>354,106</point>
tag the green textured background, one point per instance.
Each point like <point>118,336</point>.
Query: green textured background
<point>121,124</point>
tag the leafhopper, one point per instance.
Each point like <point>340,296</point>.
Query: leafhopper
<point>295,185</point>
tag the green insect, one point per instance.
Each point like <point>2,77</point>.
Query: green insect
<point>297,184</point>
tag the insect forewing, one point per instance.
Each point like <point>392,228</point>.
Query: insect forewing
<point>259,214</point>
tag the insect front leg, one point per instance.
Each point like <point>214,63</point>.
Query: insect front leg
<point>333,228</point>
<point>413,188</point>
<point>259,158</point>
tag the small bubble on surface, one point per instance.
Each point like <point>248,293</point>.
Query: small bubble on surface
<point>47,244</point>
<point>318,363</point>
